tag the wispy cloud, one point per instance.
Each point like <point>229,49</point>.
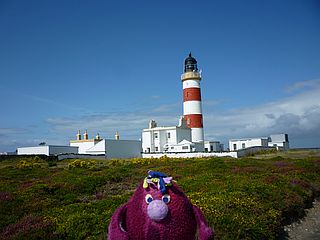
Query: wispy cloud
<point>10,138</point>
<point>48,101</point>
<point>167,108</point>
<point>9,131</point>
<point>128,124</point>
<point>211,103</point>
<point>297,115</point>
<point>51,102</point>
<point>303,85</point>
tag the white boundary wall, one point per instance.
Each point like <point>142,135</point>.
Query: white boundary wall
<point>235,154</point>
<point>191,154</point>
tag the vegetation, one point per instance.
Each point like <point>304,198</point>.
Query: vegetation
<point>248,198</point>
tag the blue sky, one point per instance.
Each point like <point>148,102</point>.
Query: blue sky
<point>110,66</point>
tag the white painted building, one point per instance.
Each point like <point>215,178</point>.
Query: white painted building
<point>280,141</point>
<point>85,143</point>
<point>111,148</point>
<point>49,150</point>
<point>184,146</point>
<point>161,139</point>
<point>238,144</point>
<point>213,146</point>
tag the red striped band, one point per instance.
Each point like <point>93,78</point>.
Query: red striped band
<point>190,94</point>
<point>194,120</point>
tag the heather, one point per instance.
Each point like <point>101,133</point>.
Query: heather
<point>247,198</point>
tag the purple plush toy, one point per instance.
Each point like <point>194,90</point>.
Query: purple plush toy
<point>158,210</point>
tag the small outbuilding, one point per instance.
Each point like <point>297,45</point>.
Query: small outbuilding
<point>238,144</point>
<point>213,146</point>
<point>48,150</point>
<point>280,141</point>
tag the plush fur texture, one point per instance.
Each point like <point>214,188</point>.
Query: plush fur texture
<point>176,220</point>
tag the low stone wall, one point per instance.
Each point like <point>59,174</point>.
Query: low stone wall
<point>80,156</point>
<point>252,150</point>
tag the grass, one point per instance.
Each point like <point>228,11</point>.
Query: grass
<point>247,198</point>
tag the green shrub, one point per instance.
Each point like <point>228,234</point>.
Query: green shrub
<point>85,220</point>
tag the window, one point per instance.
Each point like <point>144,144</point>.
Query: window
<point>188,121</point>
<point>243,145</point>
<point>156,149</point>
<point>234,146</point>
<point>211,148</point>
<point>155,135</point>
<point>172,147</point>
<point>168,135</point>
<point>185,147</point>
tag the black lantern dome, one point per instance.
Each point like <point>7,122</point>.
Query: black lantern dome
<point>190,64</point>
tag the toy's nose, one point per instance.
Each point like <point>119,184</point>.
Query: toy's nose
<point>157,210</point>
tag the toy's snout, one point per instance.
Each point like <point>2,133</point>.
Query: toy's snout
<point>157,210</point>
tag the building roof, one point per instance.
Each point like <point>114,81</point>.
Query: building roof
<point>247,139</point>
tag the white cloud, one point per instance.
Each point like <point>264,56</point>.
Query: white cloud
<point>298,115</point>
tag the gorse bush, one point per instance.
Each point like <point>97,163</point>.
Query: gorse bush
<point>27,164</point>
<point>142,161</point>
<point>82,164</point>
<point>32,162</point>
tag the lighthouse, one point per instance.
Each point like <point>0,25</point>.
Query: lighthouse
<point>192,109</point>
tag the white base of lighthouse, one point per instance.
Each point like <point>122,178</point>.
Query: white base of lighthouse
<point>197,135</point>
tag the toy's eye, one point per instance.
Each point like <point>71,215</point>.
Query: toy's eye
<point>166,198</point>
<point>149,198</point>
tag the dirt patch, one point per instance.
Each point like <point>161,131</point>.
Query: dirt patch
<point>308,228</point>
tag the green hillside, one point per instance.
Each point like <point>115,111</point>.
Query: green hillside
<point>248,198</point>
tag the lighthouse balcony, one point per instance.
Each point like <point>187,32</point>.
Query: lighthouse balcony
<point>191,75</point>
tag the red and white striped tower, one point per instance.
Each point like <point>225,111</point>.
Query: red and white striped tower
<point>192,109</point>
